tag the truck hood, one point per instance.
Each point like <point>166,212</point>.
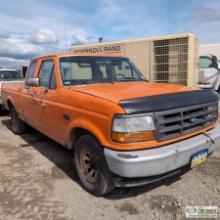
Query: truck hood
<point>142,97</point>
<point>128,90</point>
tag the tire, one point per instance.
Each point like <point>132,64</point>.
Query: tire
<point>218,90</point>
<point>91,166</point>
<point>17,125</point>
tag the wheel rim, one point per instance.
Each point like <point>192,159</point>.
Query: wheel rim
<point>87,164</point>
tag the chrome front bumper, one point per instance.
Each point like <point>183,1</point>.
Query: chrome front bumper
<point>151,162</point>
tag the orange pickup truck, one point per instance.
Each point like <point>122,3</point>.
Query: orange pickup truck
<point>124,131</point>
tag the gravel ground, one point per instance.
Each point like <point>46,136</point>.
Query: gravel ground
<point>38,181</point>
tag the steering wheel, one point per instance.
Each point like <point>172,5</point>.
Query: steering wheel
<point>120,74</point>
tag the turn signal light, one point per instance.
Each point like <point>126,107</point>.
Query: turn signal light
<point>133,137</point>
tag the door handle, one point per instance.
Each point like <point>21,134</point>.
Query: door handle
<point>33,94</point>
<point>40,102</point>
<point>43,105</point>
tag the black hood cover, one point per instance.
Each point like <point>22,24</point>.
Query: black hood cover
<point>168,101</point>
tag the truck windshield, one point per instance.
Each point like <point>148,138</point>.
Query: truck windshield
<point>89,70</point>
<point>10,75</point>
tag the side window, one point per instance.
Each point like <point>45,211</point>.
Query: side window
<point>45,73</point>
<point>30,73</point>
<point>205,62</point>
<point>53,84</point>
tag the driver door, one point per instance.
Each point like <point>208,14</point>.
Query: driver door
<point>52,123</point>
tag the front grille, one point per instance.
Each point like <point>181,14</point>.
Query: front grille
<point>177,122</point>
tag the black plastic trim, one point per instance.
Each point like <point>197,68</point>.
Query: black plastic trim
<point>143,181</point>
<point>168,101</point>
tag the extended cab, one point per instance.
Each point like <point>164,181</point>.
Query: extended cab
<point>124,130</point>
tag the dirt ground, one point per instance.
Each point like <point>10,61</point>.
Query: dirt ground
<point>38,181</point>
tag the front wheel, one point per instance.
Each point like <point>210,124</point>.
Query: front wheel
<point>218,90</point>
<point>91,166</point>
<point>17,125</point>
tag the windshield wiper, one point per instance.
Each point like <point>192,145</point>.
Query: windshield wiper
<point>96,82</point>
<point>111,82</point>
<point>129,80</point>
<point>87,83</point>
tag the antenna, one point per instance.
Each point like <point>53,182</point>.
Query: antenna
<point>65,36</point>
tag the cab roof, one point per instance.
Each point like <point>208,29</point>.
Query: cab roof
<point>64,54</point>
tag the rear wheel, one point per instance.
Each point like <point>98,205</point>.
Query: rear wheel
<point>91,166</point>
<point>17,125</point>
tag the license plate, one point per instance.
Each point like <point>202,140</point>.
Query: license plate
<point>199,158</point>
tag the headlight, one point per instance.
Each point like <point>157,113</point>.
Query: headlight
<point>127,129</point>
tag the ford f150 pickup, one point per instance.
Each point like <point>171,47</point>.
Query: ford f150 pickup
<point>124,131</point>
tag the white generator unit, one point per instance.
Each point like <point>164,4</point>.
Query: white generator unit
<point>163,59</point>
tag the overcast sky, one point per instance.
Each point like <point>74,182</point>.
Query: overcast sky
<point>29,28</point>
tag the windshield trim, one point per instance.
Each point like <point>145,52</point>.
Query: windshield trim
<point>140,78</point>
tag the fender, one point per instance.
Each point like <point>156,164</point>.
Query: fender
<point>6,101</point>
<point>88,126</point>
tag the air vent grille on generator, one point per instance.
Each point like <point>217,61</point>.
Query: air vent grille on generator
<point>170,60</point>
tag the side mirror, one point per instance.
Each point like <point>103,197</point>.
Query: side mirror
<point>34,82</point>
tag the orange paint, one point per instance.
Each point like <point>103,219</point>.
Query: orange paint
<point>56,113</point>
